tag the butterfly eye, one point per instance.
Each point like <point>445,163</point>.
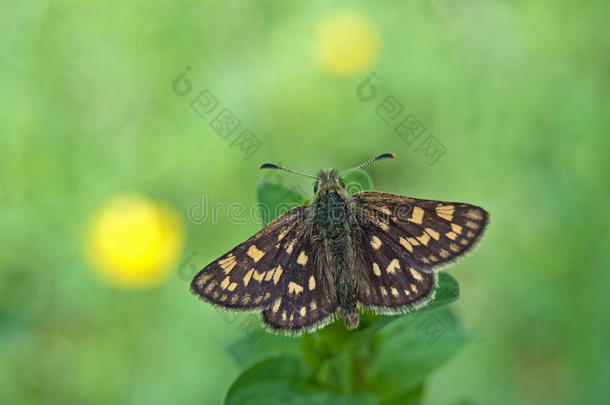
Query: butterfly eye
<point>315,188</point>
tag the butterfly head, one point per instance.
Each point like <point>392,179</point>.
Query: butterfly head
<point>328,180</point>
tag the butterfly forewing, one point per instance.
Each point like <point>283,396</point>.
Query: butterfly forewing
<point>305,301</point>
<point>428,233</point>
<point>249,276</point>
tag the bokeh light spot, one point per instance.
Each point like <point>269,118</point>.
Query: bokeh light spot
<point>133,242</point>
<point>346,44</point>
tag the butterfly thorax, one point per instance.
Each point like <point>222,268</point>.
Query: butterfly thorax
<point>332,222</point>
<point>331,209</point>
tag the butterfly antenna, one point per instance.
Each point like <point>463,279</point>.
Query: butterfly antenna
<point>272,166</point>
<point>368,162</point>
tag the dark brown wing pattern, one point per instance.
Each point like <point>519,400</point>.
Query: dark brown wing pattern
<point>388,283</point>
<point>275,272</point>
<point>248,276</point>
<point>428,233</point>
<point>305,302</point>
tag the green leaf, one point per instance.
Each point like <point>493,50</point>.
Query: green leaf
<point>447,291</point>
<point>410,349</point>
<point>259,344</point>
<point>275,199</point>
<point>357,181</point>
<point>286,379</point>
<point>407,397</point>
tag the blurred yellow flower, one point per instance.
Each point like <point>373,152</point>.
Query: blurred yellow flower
<point>133,242</point>
<point>346,44</point>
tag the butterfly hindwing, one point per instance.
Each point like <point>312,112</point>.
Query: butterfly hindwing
<point>388,282</point>
<point>248,276</point>
<point>305,302</point>
<point>429,233</point>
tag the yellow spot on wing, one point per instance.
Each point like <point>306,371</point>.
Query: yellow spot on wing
<point>255,254</point>
<point>416,274</point>
<point>382,224</point>
<point>383,291</point>
<point>393,266</point>
<point>385,210</point>
<point>445,212</point>
<point>258,276</point>
<point>451,235</point>
<point>375,242</point>
<point>210,286</point>
<point>302,259</point>
<point>417,215</point>
<point>475,214</point>
<point>228,263</point>
<point>313,305</point>
<point>202,279</point>
<point>294,288</point>
<point>303,311</point>
<point>472,225</point>
<point>406,244</point>
<point>269,274</point>
<point>230,257</point>
<point>248,276</point>
<point>282,234</point>
<point>424,239</point>
<point>394,291</point>
<point>413,241</point>
<point>433,233</point>
<point>225,283</point>
<point>454,247</point>
<point>276,305</point>
<point>277,273</point>
<point>232,286</point>
<point>312,283</point>
<point>376,270</point>
<point>443,253</point>
<point>456,228</point>
<point>290,246</point>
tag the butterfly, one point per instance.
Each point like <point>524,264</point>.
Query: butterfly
<point>341,253</point>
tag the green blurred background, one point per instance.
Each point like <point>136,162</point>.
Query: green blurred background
<point>516,92</point>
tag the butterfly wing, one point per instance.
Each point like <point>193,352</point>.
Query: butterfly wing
<point>305,303</point>
<point>428,233</point>
<point>402,239</point>
<point>388,283</point>
<point>248,276</point>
